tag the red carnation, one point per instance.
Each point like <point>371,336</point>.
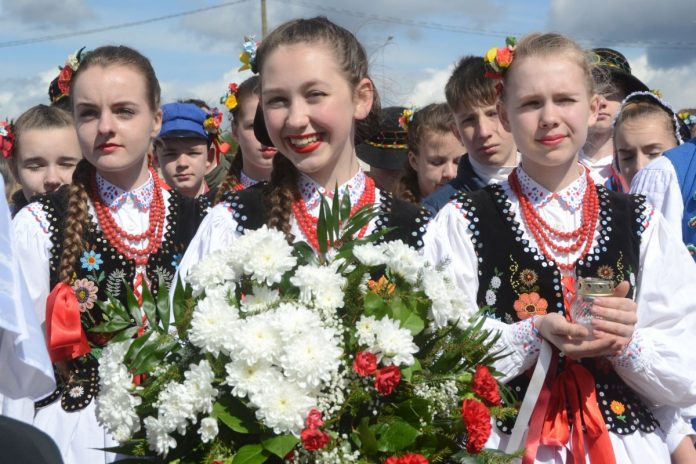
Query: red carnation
<point>365,363</point>
<point>485,386</point>
<point>387,379</point>
<point>393,460</point>
<point>64,79</point>
<point>314,439</point>
<point>314,419</point>
<point>477,420</point>
<point>413,458</point>
<point>503,57</point>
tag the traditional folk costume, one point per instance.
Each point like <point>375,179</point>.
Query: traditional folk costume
<point>245,210</point>
<point>503,258</point>
<point>135,237</point>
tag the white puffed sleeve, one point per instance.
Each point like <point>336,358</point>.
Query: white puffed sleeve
<point>659,361</point>
<point>448,239</point>
<point>658,182</point>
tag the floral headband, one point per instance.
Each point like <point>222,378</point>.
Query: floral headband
<point>680,129</point>
<point>7,138</point>
<point>406,117</point>
<point>65,75</point>
<point>212,127</point>
<point>498,60</point>
<point>248,55</point>
<point>688,118</point>
<point>230,98</point>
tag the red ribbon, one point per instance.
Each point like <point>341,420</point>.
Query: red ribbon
<point>64,332</point>
<point>569,295</point>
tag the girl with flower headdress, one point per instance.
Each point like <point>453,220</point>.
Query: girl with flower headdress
<point>433,153</point>
<point>253,161</point>
<point>115,225</point>
<point>521,249</point>
<point>315,97</point>
<point>42,151</point>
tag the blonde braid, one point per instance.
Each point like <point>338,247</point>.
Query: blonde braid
<point>76,220</point>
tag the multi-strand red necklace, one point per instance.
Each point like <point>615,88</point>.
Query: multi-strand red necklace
<point>308,223</point>
<point>117,236</point>
<point>547,236</point>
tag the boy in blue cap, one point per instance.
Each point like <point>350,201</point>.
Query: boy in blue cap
<point>184,149</point>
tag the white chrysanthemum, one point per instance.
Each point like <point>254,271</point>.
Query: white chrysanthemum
<point>199,383</point>
<point>393,345</point>
<point>320,285</point>
<point>158,437</point>
<point>284,407</point>
<point>404,260</point>
<point>291,320</point>
<point>208,429</point>
<point>365,330</point>
<point>256,340</point>
<point>370,255</point>
<point>175,407</point>
<point>449,303</point>
<point>212,271</point>
<point>490,298</point>
<point>495,282</point>
<point>212,323</point>
<point>311,358</point>
<point>268,255</point>
<point>260,299</point>
<point>115,403</point>
<point>250,379</point>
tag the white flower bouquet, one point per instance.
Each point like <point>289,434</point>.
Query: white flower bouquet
<point>359,353</point>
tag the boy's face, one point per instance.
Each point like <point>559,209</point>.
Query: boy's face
<point>184,162</point>
<point>609,106</point>
<point>486,141</point>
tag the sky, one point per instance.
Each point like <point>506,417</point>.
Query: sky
<point>194,45</point>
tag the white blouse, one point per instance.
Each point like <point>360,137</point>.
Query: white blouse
<point>600,169</point>
<point>219,228</point>
<point>658,363</point>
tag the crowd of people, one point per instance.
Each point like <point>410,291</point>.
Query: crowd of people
<point>546,165</point>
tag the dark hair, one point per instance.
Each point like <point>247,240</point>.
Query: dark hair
<point>40,117</point>
<point>641,108</point>
<point>198,102</point>
<point>436,117</point>
<point>251,86</point>
<point>352,60</point>
<point>77,216</point>
<point>468,85</point>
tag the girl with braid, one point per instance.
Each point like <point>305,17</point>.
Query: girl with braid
<point>116,224</point>
<point>316,94</point>
<point>253,161</point>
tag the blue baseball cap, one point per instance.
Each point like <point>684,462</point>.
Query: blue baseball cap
<point>183,120</point>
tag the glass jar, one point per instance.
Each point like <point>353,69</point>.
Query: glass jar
<point>588,288</point>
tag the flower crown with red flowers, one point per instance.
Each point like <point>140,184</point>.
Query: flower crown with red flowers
<point>248,55</point>
<point>230,98</point>
<point>212,127</point>
<point>7,138</point>
<point>406,117</point>
<point>60,86</point>
<point>498,60</point>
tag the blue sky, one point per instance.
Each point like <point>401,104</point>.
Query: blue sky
<point>412,46</point>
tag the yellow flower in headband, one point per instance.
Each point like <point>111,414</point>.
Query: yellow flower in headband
<point>248,55</point>
<point>406,117</point>
<point>230,98</point>
<point>498,59</point>
<point>656,92</point>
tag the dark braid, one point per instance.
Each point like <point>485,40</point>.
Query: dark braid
<point>76,220</point>
<point>284,191</point>
<point>234,175</point>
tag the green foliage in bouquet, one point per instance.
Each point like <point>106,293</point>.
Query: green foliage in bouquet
<point>360,352</point>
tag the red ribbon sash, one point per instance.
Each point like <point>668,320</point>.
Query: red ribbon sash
<point>65,335</point>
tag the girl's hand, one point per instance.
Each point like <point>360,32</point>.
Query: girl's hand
<point>615,316</point>
<point>571,338</point>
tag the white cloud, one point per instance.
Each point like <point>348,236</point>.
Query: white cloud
<point>18,95</point>
<point>430,89</point>
<point>673,83</point>
<point>47,12</point>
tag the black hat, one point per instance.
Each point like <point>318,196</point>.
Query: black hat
<point>388,147</point>
<point>619,69</point>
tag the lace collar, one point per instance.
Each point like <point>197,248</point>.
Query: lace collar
<point>247,181</point>
<point>311,191</point>
<point>570,197</point>
<point>115,197</point>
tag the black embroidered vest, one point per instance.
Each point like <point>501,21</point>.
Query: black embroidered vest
<point>409,221</point>
<point>101,272</point>
<point>516,282</point>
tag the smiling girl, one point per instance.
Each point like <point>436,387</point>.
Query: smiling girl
<point>519,249</point>
<point>316,94</point>
<point>115,224</point>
